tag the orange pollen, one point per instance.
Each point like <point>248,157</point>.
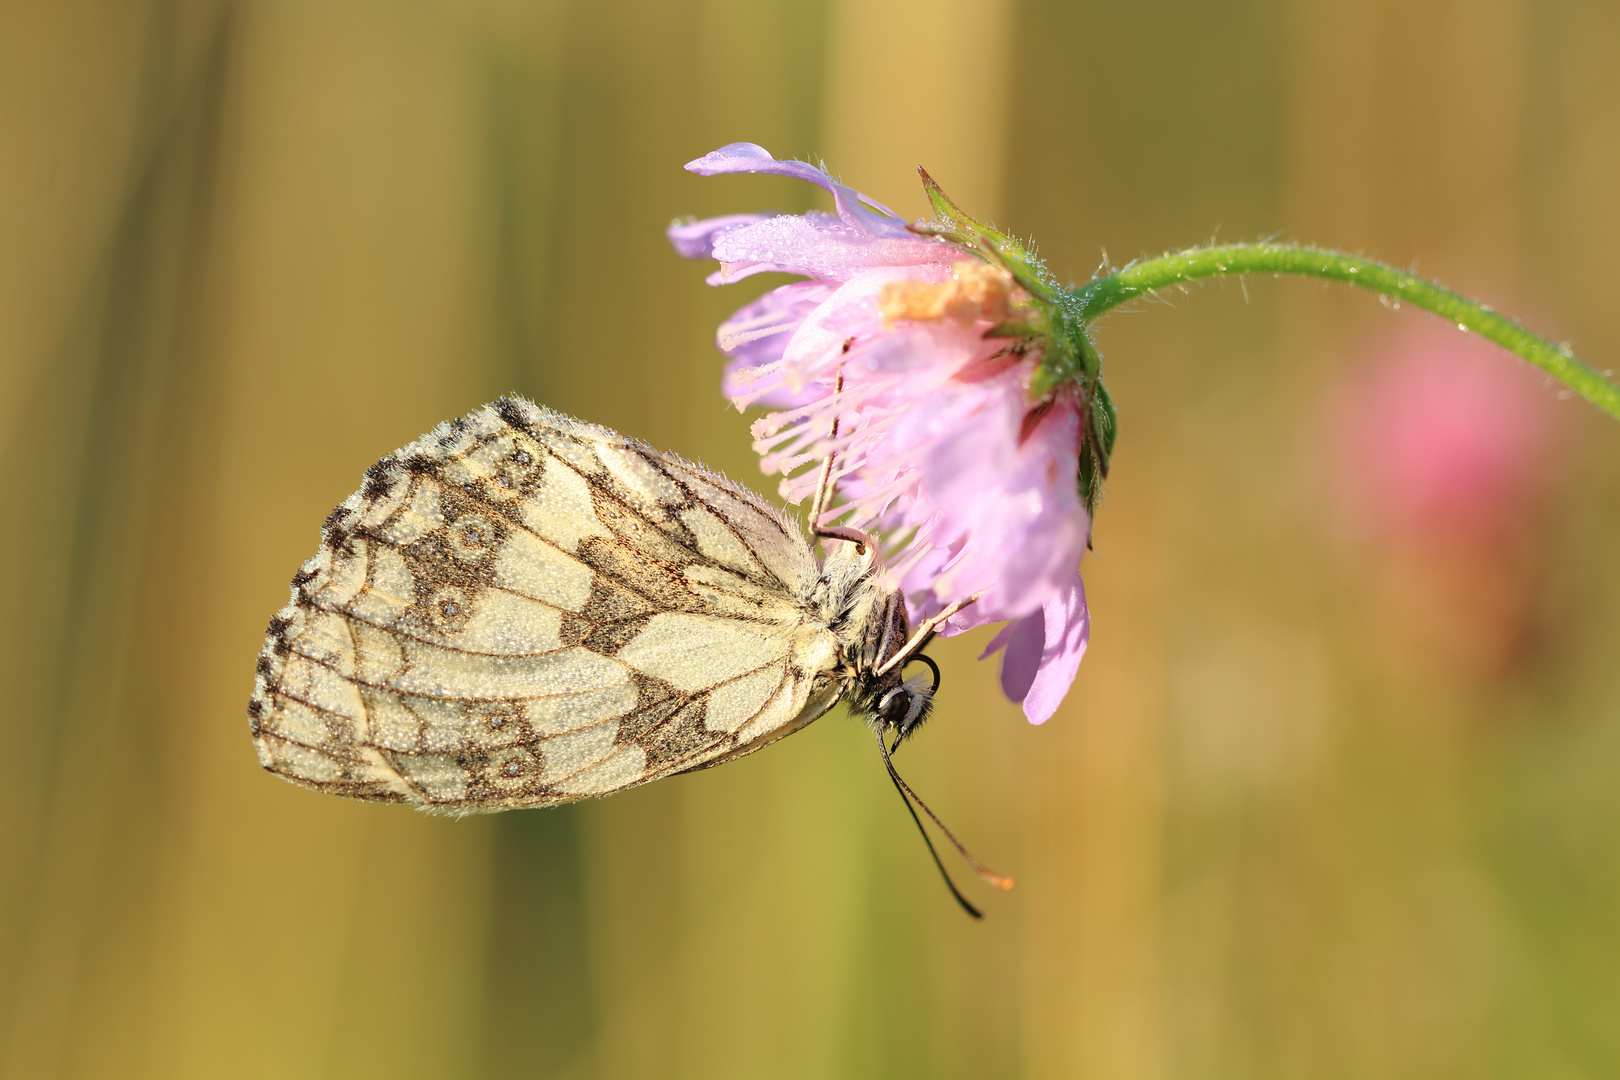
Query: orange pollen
<point>976,291</point>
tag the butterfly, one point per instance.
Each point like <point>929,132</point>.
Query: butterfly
<point>523,609</point>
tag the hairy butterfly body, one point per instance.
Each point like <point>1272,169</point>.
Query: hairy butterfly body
<point>520,609</point>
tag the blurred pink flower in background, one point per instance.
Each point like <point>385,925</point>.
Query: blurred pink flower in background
<point>1439,455</point>
<point>1441,432</point>
<point>939,445</point>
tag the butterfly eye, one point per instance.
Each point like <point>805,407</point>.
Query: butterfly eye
<point>892,710</point>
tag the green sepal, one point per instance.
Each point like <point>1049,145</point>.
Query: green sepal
<point>1014,328</point>
<point>1106,420</point>
<point>1099,424</point>
<point>1070,359</point>
<point>1057,316</point>
<point>985,240</point>
<point>1067,357</point>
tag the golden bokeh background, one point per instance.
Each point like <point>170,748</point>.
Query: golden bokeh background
<point>1303,815</point>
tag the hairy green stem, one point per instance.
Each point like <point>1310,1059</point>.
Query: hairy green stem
<point>1149,275</point>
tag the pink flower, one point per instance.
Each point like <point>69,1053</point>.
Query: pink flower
<point>922,353</point>
<point>1437,433</point>
<point>1439,455</point>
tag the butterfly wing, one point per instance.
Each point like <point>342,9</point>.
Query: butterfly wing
<point>521,609</point>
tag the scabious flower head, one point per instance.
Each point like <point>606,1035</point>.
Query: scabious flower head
<point>935,365</point>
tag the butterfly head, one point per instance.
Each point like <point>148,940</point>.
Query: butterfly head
<point>891,701</point>
<point>902,707</point>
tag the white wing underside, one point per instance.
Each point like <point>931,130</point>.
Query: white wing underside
<point>521,609</point>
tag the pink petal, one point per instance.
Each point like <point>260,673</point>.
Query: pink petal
<point>752,158</point>
<point>818,245</point>
<point>754,338</point>
<point>1067,632</point>
<point>1024,640</point>
<point>695,239</point>
<point>851,311</point>
<point>1044,546</point>
<point>1011,512</point>
<point>1044,651</point>
<point>760,329</point>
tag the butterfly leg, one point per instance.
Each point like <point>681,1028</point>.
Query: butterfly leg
<point>824,491</point>
<point>824,483</point>
<point>924,633</point>
<point>854,536</point>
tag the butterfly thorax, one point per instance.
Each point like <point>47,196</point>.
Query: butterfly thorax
<point>867,615</point>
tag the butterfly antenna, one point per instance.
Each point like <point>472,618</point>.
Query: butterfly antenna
<point>907,796</point>
<point>987,875</point>
<point>901,790</point>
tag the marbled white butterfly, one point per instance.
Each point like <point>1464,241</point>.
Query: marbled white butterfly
<point>521,609</point>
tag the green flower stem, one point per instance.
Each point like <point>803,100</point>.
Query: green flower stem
<point>1149,275</point>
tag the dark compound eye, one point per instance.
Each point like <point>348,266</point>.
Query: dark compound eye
<point>894,706</point>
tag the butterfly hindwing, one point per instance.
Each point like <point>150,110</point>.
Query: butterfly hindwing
<point>521,609</point>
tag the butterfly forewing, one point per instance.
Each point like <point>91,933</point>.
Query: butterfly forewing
<point>521,609</point>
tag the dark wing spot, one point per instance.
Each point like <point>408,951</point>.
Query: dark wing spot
<point>609,638</point>
<point>573,629</point>
<point>512,413</point>
<point>421,465</point>
<point>667,724</point>
<point>612,602</point>
<point>379,480</point>
<point>448,609</point>
<point>277,633</point>
<point>341,539</point>
<point>682,734</point>
<point>444,557</point>
<point>658,701</point>
<point>665,588</point>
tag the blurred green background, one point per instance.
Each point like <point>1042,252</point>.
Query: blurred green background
<point>1319,805</point>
